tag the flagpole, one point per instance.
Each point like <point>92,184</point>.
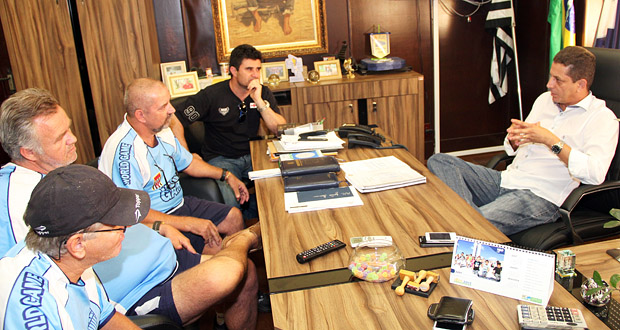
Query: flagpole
<point>514,43</point>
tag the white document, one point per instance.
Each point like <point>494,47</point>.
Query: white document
<point>323,142</point>
<point>329,198</point>
<point>381,173</point>
<point>262,174</point>
<point>504,270</point>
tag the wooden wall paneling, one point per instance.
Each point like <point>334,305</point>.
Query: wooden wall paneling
<point>120,45</point>
<point>199,34</point>
<point>42,54</point>
<point>411,39</point>
<point>170,31</point>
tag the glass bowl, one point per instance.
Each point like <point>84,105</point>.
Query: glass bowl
<point>376,263</point>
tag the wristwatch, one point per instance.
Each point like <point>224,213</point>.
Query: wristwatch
<point>224,173</point>
<point>557,148</point>
<point>156,226</point>
<point>263,107</point>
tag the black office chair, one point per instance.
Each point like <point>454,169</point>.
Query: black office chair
<point>586,209</point>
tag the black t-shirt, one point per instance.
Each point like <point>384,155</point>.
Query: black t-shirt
<point>218,107</point>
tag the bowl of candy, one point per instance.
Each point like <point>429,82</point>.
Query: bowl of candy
<point>376,262</point>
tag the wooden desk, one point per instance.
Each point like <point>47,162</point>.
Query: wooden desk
<point>363,305</point>
<point>403,213</point>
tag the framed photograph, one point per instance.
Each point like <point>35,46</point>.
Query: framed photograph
<point>279,68</point>
<point>171,68</point>
<point>182,84</point>
<point>276,28</point>
<point>328,69</point>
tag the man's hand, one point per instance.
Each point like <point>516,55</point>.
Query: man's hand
<point>256,90</point>
<point>204,228</point>
<point>238,187</point>
<point>178,240</point>
<point>521,132</point>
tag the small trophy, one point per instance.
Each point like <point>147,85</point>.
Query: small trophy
<point>349,68</point>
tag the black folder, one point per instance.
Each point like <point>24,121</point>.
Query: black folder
<point>309,166</point>
<point>310,181</point>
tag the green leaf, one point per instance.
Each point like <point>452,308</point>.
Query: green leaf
<point>596,276</point>
<point>615,213</point>
<point>611,224</point>
<point>594,290</point>
<point>614,279</point>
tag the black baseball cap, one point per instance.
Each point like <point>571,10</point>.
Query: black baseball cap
<point>73,197</point>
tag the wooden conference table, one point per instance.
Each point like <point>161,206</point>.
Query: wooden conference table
<point>322,295</point>
<point>403,213</point>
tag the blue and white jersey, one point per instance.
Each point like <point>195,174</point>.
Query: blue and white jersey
<point>146,260</point>
<point>16,185</point>
<point>36,294</point>
<point>130,163</point>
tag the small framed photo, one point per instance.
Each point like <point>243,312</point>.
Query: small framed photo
<point>182,84</point>
<point>328,69</point>
<point>279,68</point>
<point>171,68</point>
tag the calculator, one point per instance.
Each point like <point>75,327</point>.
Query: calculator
<point>534,317</point>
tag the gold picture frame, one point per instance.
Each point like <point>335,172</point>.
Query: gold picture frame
<point>170,68</point>
<point>235,24</point>
<point>328,69</point>
<point>182,84</point>
<point>279,68</point>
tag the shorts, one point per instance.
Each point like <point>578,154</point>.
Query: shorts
<point>203,209</point>
<point>159,299</point>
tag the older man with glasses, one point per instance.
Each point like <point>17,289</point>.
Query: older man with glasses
<point>232,111</point>
<point>77,218</point>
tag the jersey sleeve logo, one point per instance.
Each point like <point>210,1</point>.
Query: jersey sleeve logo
<point>124,168</point>
<point>190,113</point>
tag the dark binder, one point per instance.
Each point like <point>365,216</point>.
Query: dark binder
<point>309,166</point>
<point>310,181</point>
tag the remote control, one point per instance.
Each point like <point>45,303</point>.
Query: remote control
<point>550,317</point>
<point>320,250</point>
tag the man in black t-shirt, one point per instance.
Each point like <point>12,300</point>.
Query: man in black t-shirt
<point>231,111</point>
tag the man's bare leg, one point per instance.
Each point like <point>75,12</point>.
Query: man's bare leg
<point>258,21</point>
<point>286,24</point>
<point>218,279</point>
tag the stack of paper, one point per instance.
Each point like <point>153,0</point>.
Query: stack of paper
<point>291,143</point>
<point>382,173</point>
<point>262,174</point>
<point>312,200</point>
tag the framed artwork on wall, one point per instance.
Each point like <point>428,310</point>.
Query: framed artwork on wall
<point>328,69</point>
<point>278,68</point>
<point>182,84</point>
<point>276,28</point>
<point>171,68</point>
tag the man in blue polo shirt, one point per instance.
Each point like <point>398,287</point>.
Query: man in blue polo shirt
<point>77,217</point>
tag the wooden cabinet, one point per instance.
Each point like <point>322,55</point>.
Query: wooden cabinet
<point>394,102</point>
<point>119,45</point>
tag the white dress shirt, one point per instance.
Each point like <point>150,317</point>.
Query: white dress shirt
<point>588,127</point>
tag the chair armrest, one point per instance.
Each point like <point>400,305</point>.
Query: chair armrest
<point>575,197</point>
<point>585,189</point>
<point>154,322</point>
<point>497,159</point>
<point>205,188</point>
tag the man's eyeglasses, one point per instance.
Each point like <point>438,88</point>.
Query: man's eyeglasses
<point>169,185</point>
<point>243,112</point>
<point>124,228</point>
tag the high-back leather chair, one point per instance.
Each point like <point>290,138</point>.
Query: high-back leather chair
<point>586,209</point>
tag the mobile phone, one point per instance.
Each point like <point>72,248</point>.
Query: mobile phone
<point>448,326</point>
<point>440,237</point>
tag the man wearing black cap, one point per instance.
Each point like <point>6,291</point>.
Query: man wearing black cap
<point>77,218</point>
